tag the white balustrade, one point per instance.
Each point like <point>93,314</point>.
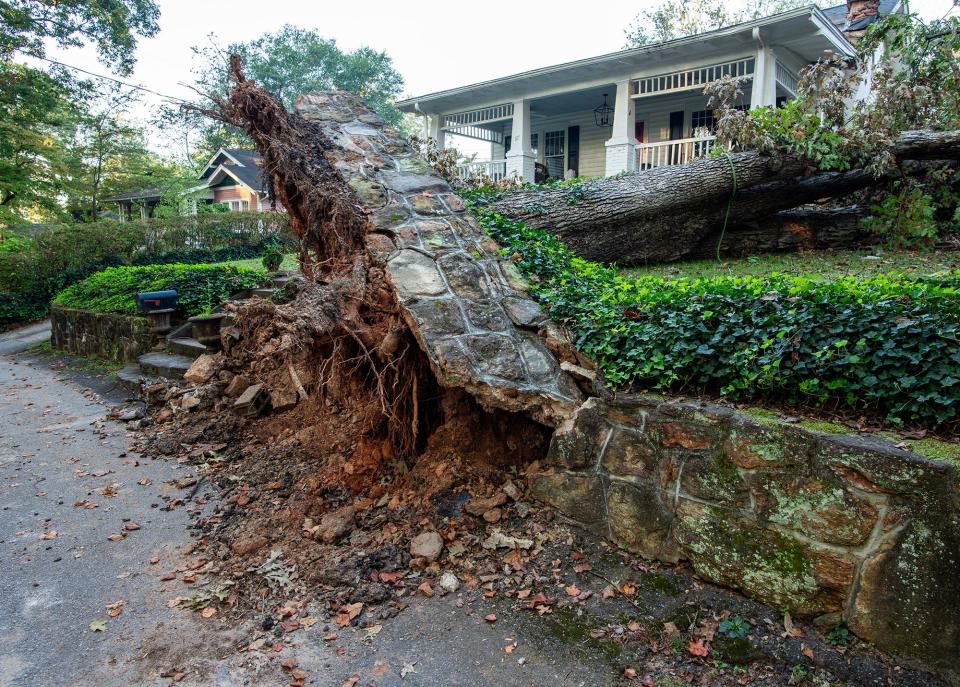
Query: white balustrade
<point>678,152</point>
<point>495,169</point>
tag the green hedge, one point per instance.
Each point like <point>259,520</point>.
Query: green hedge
<point>40,264</point>
<point>882,345</point>
<point>199,287</point>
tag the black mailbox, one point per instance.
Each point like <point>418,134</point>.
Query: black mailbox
<point>156,300</point>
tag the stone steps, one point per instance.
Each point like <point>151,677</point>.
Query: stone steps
<point>186,346</point>
<point>167,365</point>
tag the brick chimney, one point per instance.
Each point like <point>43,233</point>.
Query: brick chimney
<point>860,14</point>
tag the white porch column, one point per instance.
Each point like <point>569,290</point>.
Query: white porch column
<point>621,147</point>
<point>436,133</point>
<point>520,159</point>
<point>764,90</point>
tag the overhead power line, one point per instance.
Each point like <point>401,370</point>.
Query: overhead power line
<point>118,81</point>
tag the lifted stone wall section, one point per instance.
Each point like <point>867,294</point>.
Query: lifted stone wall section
<point>121,338</point>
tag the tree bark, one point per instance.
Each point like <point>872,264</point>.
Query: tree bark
<point>666,213</point>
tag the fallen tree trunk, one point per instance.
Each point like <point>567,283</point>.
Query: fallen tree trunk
<point>666,213</point>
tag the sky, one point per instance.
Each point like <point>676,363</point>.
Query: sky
<point>433,45</point>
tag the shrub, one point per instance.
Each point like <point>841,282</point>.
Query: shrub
<point>33,270</point>
<point>886,345</point>
<point>199,287</point>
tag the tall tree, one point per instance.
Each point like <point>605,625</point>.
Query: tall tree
<point>679,18</point>
<point>111,25</point>
<point>288,63</point>
<point>34,107</point>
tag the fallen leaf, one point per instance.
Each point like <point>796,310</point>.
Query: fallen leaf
<point>582,567</point>
<point>208,612</point>
<point>330,637</point>
<point>572,590</point>
<point>289,663</point>
<point>696,648</point>
<point>425,589</point>
<point>52,534</point>
<point>629,673</point>
<point>791,631</point>
<point>523,593</point>
<point>407,669</point>
<point>131,526</point>
<point>509,648</point>
<point>608,592</point>
<point>628,589</point>
<point>98,625</point>
<point>490,618</point>
<point>806,651</point>
<point>115,537</point>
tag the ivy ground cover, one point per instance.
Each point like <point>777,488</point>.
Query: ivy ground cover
<point>886,345</point>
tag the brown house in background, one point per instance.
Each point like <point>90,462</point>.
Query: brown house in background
<point>231,177</point>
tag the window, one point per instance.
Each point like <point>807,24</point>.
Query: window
<point>703,119</point>
<point>237,205</point>
<point>553,156</point>
<point>534,143</point>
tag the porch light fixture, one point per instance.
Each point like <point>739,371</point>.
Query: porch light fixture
<point>603,114</point>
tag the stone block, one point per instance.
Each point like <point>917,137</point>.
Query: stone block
<point>639,520</point>
<point>877,466</point>
<point>454,202</point>
<point>253,401</point>
<point>201,370</point>
<point>436,234</point>
<point>630,453</point>
<point>755,446</point>
<point>495,354</point>
<point>371,194</point>
<point>822,510</point>
<point>437,316</point>
<point>714,478</point>
<point>684,435</point>
<point>465,277</point>
<point>730,549</point>
<point>578,442</point>
<point>427,204</point>
<point>579,497</point>
<point>415,274</point>
<point>907,600</point>
<point>409,181</point>
<point>524,312</point>
<point>453,360</point>
<point>488,316</point>
<point>380,246</point>
<point>542,366</point>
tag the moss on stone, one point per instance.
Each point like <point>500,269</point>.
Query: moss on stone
<point>735,650</point>
<point>763,416</point>
<point>575,630</point>
<point>734,552</point>
<point>824,427</point>
<point>661,584</point>
<point>936,448</point>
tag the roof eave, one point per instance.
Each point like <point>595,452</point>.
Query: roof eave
<point>830,31</point>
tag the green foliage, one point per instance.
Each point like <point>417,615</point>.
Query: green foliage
<point>840,636</point>
<point>198,287</point>
<point>885,345</point>
<point>735,627</point>
<point>291,62</point>
<point>27,26</point>
<point>57,256</point>
<point>904,217</point>
<point>672,19</point>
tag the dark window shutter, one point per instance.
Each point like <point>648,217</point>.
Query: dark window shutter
<point>573,149</point>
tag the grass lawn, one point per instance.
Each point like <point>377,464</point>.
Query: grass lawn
<point>823,265</point>
<point>289,263</point>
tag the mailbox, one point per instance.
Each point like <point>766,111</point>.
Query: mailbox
<point>149,301</point>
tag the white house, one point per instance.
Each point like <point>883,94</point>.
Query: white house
<point>639,108</point>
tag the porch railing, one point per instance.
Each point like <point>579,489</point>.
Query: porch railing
<point>495,169</point>
<point>678,152</point>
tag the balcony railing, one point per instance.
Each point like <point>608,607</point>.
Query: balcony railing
<point>495,169</point>
<point>678,152</point>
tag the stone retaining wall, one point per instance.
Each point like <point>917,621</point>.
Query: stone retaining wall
<point>836,527</point>
<point>121,338</point>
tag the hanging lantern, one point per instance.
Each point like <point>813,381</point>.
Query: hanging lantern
<point>603,115</point>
